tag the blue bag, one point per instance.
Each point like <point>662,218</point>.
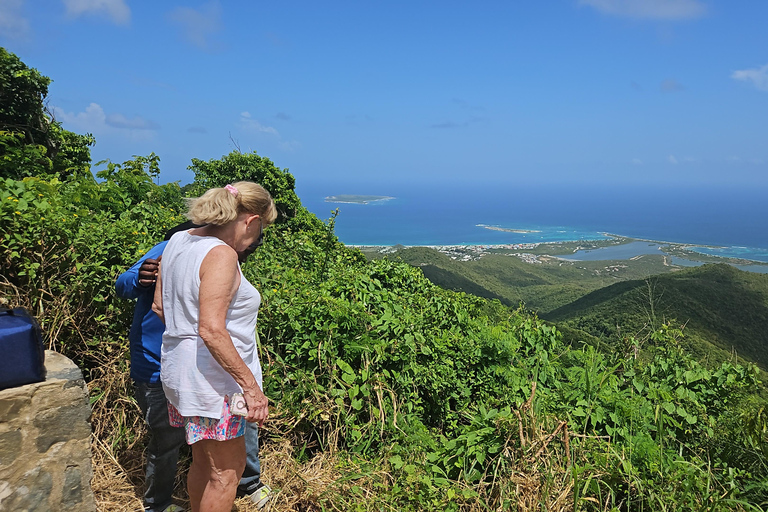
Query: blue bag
<point>22,355</point>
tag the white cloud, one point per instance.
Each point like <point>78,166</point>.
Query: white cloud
<point>137,123</point>
<point>758,77</point>
<point>670,85</point>
<point>94,120</point>
<point>13,24</point>
<point>198,25</point>
<point>637,161</point>
<point>672,159</point>
<point>116,10</point>
<point>649,9</point>
<point>250,124</point>
<point>90,120</point>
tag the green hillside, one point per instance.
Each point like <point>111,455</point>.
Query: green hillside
<point>724,309</point>
<point>542,287</point>
<point>717,303</point>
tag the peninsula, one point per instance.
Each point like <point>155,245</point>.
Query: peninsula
<point>356,199</point>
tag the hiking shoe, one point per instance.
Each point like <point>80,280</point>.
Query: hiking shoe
<point>173,508</point>
<point>261,496</point>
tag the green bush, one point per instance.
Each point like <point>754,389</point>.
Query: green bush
<point>62,245</point>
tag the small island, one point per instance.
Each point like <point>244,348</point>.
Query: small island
<point>508,230</point>
<point>356,199</point>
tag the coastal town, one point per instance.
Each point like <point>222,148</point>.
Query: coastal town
<point>463,252</point>
<point>674,256</point>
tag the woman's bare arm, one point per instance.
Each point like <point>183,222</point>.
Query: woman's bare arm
<point>219,281</point>
<point>157,302</point>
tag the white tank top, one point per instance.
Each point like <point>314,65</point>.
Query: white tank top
<point>192,379</point>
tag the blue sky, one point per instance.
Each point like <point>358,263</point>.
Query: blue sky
<point>617,92</point>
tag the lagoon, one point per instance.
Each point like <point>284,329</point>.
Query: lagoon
<point>617,252</point>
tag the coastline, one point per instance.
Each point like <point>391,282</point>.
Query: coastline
<point>560,249</point>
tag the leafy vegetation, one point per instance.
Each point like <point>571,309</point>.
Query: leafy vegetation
<point>423,398</point>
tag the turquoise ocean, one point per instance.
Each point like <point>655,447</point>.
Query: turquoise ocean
<point>721,221</point>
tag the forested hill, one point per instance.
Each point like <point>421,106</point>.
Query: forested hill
<point>717,303</point>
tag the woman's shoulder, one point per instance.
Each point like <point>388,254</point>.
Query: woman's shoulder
<point>220,265</point>
<point>222,250</point>
<point>221,255</point>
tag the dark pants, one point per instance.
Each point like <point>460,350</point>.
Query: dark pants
<point>163,447</point>
<point>164,444</point>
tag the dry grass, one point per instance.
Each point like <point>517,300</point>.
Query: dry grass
<point>305,486</point>
<point>299,487</point>
<point>118,438</point>
<point>332,481</point>
<point>113,485</point>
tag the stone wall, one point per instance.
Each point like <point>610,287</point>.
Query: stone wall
<point>45,442</point>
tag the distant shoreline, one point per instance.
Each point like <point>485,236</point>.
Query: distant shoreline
<point>685,251</point>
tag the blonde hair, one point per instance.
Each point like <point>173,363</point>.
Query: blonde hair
<point>220,206</point>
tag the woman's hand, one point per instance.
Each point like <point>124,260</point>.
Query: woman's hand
<point>258,405</point>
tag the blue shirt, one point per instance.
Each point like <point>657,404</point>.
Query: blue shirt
<point>146,335</point>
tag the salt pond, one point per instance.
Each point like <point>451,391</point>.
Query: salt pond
<point>615,252</point>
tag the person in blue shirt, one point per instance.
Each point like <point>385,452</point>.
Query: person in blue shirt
<point>146,336</point>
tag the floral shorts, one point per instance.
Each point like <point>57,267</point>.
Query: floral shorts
<point>197,428</point>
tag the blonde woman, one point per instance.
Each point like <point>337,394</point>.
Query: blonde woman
<point>209,346</point>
